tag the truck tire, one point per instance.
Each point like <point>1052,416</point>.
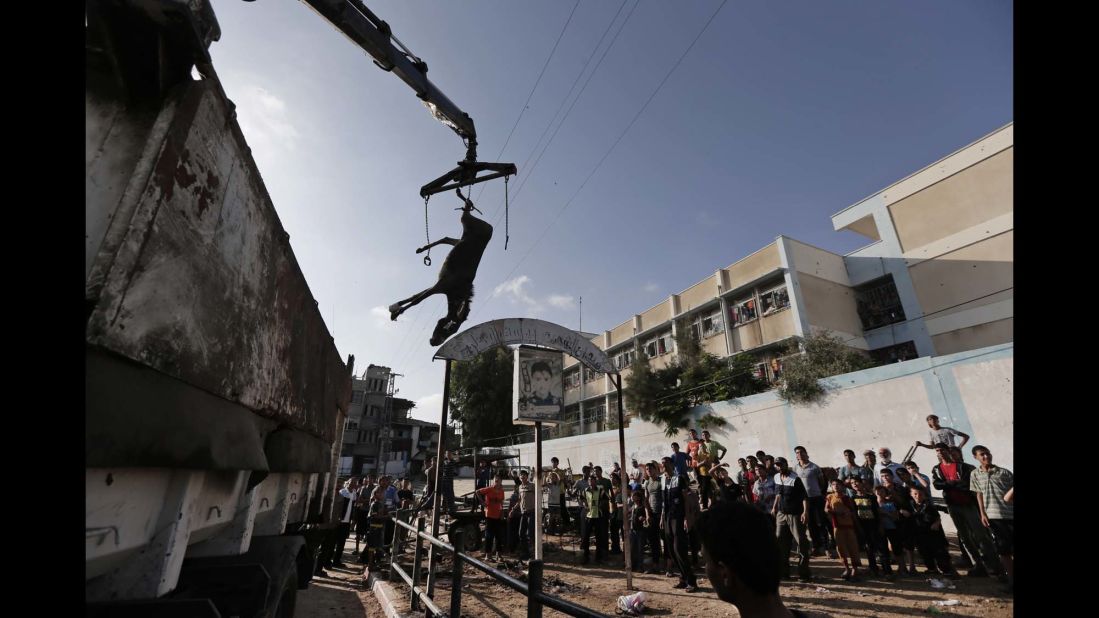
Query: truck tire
<point>288,596</point>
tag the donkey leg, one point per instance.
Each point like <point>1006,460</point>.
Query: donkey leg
<point>400,307</point>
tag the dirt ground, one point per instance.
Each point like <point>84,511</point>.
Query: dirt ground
<point>598,587</point>
<point>340,595</point>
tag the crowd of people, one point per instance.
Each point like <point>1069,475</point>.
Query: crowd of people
<point>879,510</point>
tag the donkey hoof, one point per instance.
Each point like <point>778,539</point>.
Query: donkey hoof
<point>394,311</point>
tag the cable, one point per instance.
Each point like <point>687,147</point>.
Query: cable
<point>617,141</point>
<point>523,109</point>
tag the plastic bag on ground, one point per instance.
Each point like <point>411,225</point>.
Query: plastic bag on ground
<point>632,604</point>
<point>948,603</point>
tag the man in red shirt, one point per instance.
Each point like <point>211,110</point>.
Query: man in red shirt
<point>492,498</point>
<point>951,476</point>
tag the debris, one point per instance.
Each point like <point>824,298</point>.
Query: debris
<point>939,584</point>
<point>822,589</point>
<point>861,593</point>
<point>948,603</point>
<point>632,605</point>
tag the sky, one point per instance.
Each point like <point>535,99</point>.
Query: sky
<point>641,170</point>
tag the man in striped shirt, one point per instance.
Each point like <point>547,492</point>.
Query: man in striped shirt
<point>994,487</point>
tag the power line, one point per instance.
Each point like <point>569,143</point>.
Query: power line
<point>530,171</point>
<point>637,115</point>
<point>523,109</point>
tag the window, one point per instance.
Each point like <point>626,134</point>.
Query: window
<point>878,303</point>
<point>743,311</point>
<point>572,379</point>
<point>356,396</point>
<point>709,325</point>
<point>774,300</point>
<point>660,346</point>
<point>351,423</point>
<point>591,376</point>
<point>895,353</point>
<point>776,369</point>
<point>625,359</point>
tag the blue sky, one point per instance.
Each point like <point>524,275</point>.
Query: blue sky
<point>782,114</point>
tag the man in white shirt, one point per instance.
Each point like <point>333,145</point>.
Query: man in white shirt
<point>344,509</point>
<point>885,462</point>
<point>812,477</point>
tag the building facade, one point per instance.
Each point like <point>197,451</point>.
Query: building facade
<point>377,428</point>
<point>936,279</point>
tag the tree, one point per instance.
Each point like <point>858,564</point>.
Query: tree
<point>825,355</point>
<point>481,395</point>
<point>666,396</point>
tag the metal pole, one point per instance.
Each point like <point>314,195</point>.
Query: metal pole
<point>625,486</point>
<point>538,490</point>
<point>432,553</point>
<point>456,574</point>
<point>534,589</point>
<point>414,599</point>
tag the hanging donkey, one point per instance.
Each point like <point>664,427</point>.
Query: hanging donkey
<point>456,276</point>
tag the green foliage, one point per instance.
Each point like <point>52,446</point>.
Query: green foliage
<point>666,396</point>
<point>480,395</point>
<point>825,356</point>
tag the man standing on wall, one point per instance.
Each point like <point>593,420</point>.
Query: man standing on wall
<point>693,446</point>
<point>945,435</point>
<point>710,452</point>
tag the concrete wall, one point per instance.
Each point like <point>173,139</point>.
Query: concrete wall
<point>970,197</point>
<point>752,267</point>
<point>884,406</point>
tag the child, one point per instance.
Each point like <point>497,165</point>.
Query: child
<point>906,530</point>
<point>541,379</point>
<point>639,516</point>
<point>375,536</point>
<point>930,539</point>
<point>870,523</point>
<point>841,508</point>
<point>890,519</point>
<point>493,500</point>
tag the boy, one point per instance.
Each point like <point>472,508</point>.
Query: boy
<point>492,498</point>
<point>841,508</point>
<point>870,523</point>
<point>938,434</point>
<point>930,538</point>
<point>890,519</point>
<point>995,489</point>
<point>541,379</point>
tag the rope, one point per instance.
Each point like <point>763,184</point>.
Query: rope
<point>506,179</point>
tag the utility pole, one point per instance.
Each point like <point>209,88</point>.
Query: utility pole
<point>386,431</point>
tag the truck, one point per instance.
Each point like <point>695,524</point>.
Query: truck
<point>214,393</point>
<point>215,396</point>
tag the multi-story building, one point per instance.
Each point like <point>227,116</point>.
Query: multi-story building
<point>365,437</point>
<point>936,279</point>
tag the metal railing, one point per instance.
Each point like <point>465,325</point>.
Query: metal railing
<point>421,597</point>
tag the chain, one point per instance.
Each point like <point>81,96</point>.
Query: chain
<point>427,233</point>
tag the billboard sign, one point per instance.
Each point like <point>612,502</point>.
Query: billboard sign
<point>538,386</point>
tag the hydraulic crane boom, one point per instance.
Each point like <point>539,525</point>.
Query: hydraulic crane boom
<point>374,36</point>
